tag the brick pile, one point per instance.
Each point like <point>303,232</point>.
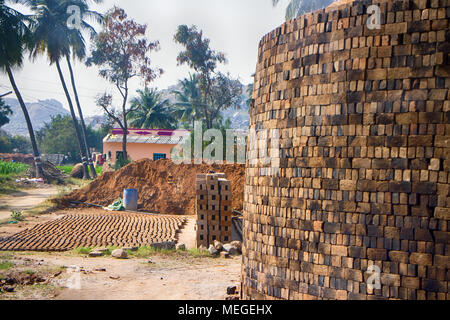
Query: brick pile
<point>364,123</point>
<point>95,230</point>
<point>213,208</point>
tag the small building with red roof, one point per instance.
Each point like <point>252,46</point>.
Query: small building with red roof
<point>151,144</point>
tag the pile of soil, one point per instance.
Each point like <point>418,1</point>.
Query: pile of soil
<point>18,157</point>
<point>163,186</point>
<point>51,173</point>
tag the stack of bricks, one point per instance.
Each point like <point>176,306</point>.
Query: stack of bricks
<point>364,124</point>
<point>213,208</point>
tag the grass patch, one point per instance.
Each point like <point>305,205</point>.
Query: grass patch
<point>82,250</point>
<point>6,265</point>
<point>68,169</point>
<point>9,168</point>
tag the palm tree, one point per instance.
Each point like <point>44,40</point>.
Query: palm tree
<point>296,8</point>
<point>14,37</point>
<point>149,111</point>
<point>80,53</point>
<point>53,36</point>
<point>189,100</point>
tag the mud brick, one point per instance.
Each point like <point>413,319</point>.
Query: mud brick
<point>348,184</point>
<point>399,256</point>
<point>331,227</point>
<point>410,282</point>
<point>392,233</point>
<point>434,285</point>
<point>422,235</point>
<point>400,187</point>
<point>356,252</point>
<point>339,250</point>
<point>435,164</point>
<point>362,163</point>
<point>381,163</point>
<point>421,259</point>
<point>442,213</point>
<point>406,118</point>
<point>376,254</point>
<point>424,187</point>
<point>441,261</point>
<point>392,280</point>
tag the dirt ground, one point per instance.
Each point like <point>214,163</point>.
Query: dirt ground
<point>160,277</point>
<point>25,200</point>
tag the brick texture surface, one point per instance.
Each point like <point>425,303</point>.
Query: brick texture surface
<point>364,167</point>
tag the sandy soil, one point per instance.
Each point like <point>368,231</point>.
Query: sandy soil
<point>25,200</point>
<point>161,277</point>
<point>188,235</point>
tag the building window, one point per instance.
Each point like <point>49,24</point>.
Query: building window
<point>226,238</point>
<point>157,156</point>
<point>201,237</point>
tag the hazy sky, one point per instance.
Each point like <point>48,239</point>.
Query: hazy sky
<point>234,27</point>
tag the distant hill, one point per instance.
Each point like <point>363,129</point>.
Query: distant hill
<point>40,112</point>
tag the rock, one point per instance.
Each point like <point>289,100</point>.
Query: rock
<point>114,277</point>
<point>212,250</point>
<point>231,290</point>
<point>232,298</point>
<point>202,248</point>
<point>77,171</point>
<point>103,250</point>
<point>134,248</point>
<point>224,254</point>
<point>218,245</point>
<point>95,254</point>
<point>181,246</point>
<point>230,249</point>
<point>168,245</point>
<point>100,270</point>
<point>237,245</point>
<point>119,254</point>
<point>8,289</point>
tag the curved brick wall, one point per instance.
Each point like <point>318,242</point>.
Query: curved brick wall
<point>364,159</point>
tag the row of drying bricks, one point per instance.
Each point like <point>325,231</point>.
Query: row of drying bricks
<point>74,231</point>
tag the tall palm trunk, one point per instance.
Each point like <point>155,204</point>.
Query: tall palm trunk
<point>75,123</point>
<point>83,125</point>
<point>37,156</point>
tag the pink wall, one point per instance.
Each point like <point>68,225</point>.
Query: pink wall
<point>137,151</point>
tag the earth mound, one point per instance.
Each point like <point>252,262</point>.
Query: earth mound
<point>163,186</point>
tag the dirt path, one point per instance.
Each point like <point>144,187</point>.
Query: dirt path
<point>25,200</point>
<point>188,233</point>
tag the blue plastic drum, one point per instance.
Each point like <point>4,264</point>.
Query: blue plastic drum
<point>130,199</point>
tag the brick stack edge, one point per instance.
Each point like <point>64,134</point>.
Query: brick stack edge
<point>364,156</point>
<point>213,209</point>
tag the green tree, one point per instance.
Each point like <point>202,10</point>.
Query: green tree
<point>149,111</point>
<point>296,8</point>
<point>15,36</point>
<point>53,36</point>
<point>5,111</point>
<point>58,137</point>
<point>121,50</point>
<point>219,91</point>
<point>189,101</point>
